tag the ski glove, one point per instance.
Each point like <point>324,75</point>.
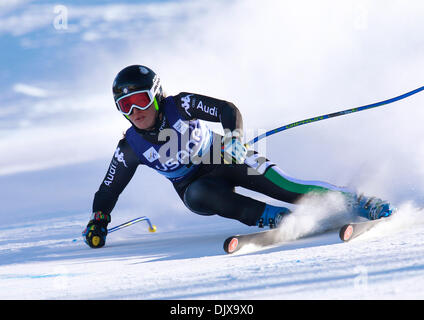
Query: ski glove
<point>96,231</point>
<point>233,149</point>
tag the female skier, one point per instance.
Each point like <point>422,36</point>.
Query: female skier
<point>168,135</point>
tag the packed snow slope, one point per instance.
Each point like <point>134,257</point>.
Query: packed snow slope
<point>279,62</point>
<point>42,256</point>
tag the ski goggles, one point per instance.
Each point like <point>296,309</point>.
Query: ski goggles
<point>139,99</point>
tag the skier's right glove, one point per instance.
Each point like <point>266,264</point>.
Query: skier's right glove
<point>96,231</point>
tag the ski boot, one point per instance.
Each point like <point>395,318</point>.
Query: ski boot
<point>272,216</point>
<point>372,208</point>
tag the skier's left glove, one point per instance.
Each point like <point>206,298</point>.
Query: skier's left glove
<point>233,149</point>
<point>96,231</point>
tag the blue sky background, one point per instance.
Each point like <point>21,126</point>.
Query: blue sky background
<point>279,62</point>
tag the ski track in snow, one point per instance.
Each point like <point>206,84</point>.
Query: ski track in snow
<point>48,260</point>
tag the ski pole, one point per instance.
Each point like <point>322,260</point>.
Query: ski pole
<point>335,114</point>
<point>152,228</point>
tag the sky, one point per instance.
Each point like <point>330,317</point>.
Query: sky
<point>279,62</point>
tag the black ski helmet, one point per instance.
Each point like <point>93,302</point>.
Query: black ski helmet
<point>136,78</point>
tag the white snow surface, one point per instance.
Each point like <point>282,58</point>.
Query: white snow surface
<point>46,258</point>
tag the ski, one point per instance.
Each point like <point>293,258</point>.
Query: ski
<point>261,238</point>
<point>265,238</point>
<point>274,236</point>
<point>355,229</point>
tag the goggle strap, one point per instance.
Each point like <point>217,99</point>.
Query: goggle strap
<point>155,102</point>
